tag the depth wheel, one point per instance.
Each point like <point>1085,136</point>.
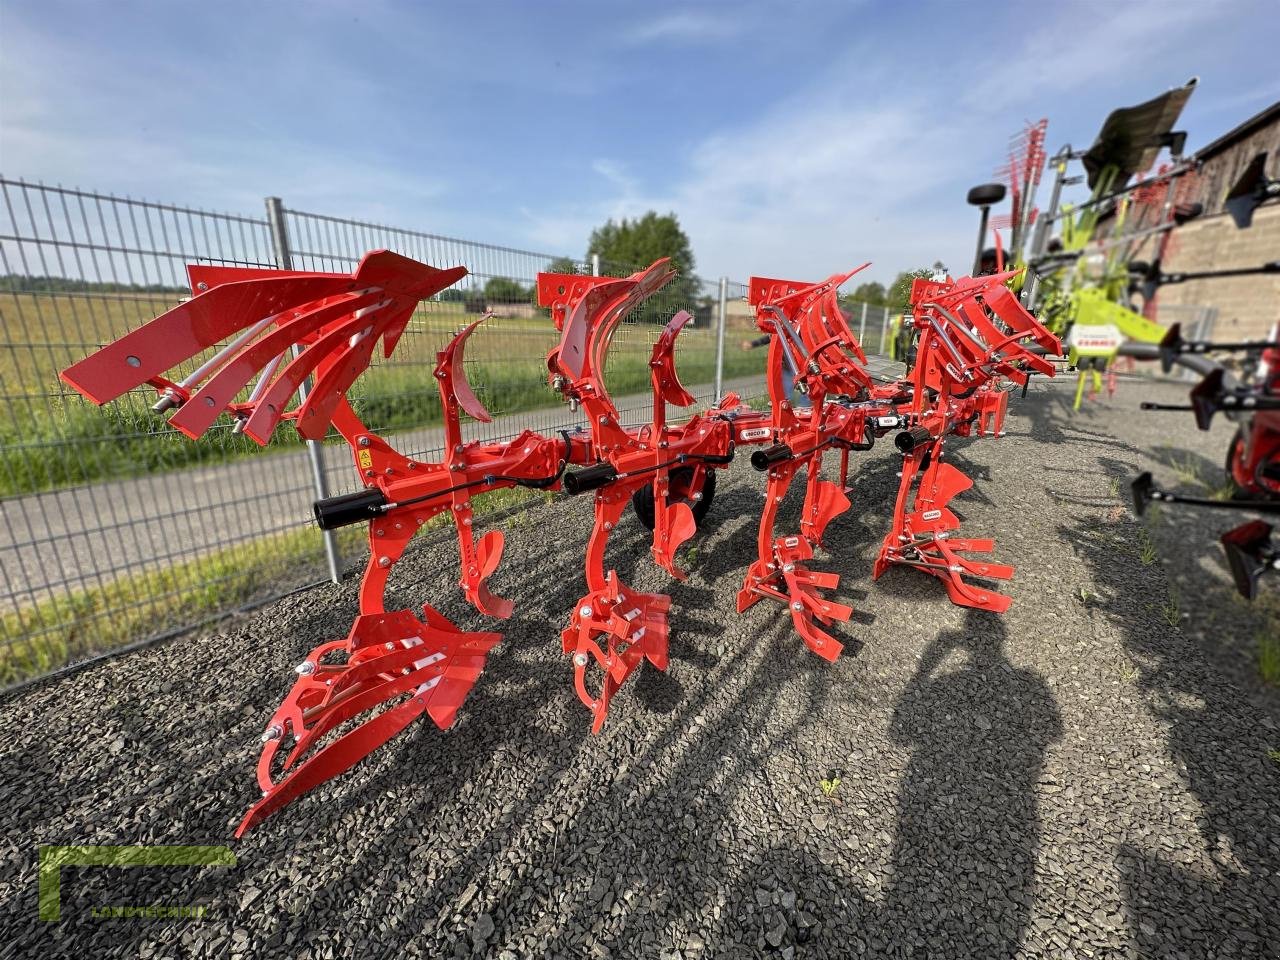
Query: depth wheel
<point>680,479</point>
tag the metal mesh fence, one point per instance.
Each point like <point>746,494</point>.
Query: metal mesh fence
<point>115,529</point>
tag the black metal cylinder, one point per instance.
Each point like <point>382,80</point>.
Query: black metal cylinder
<point>589,478</point>
<point>908,440</point>
<point>765,457</point>
<point>335,512</point>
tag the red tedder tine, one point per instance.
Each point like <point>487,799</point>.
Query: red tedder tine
<point>636,627</point>
<point>452,369</point>
<point>368,322</point>
<point>662,363</point>
<point>344,368</point>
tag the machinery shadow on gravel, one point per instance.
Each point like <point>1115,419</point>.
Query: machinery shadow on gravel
<point>1191,640</point>
<point>961,881</point>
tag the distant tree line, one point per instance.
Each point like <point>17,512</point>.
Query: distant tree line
<point>897,296</point>
<point>20,283</point>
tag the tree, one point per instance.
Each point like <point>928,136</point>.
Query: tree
<point>562,265</point>
<point>899,298</point>
<point>872,293</point>
<point>499,290</point>
<point>634,244</point>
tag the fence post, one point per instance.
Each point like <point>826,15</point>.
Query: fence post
<point>315,450</point>
<point>595,264</point>
<point>724,316</point>
<point>884,331</point>
<point>862,326</point>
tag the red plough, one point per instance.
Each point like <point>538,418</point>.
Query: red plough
<point>257,336</point>
<point>974,337</point>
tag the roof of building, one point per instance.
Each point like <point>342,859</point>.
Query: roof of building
<point>1259,120</point>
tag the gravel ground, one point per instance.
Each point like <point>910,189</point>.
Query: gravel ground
<point>1086,776</point>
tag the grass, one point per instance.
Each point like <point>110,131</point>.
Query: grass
<point>67,628</point>
<point>134,608</point>
<point>1269,658</point>
<point>1171,612</point>
<point>1147,552</point>
<point>52,438</point>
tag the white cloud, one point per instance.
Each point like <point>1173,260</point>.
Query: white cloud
<point>689,27</point>
<point>872,159</point>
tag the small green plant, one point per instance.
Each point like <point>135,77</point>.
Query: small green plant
<point>691,557</point>
<point>1085,595</point>
<point>1171,612</point>
<point>1273,756</point>
<point>1147,551</point>
<point>1187,470</point>
<point>1269,658</point>
<point>829,787</point>
<point>1129,671</point>
<point>1115,487</point>
<point>1223,491</point>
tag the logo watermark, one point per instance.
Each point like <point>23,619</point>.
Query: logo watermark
<point>53,859</point>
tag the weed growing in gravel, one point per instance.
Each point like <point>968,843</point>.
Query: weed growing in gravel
<point>1186,470</point>
<point>1115,488</point>
<point>1223,491</point>
<point>1269,658</point>
<point>1273,756</point>
<point>829,787</point>
<point>1147,551</point>
<point>1170,611</point>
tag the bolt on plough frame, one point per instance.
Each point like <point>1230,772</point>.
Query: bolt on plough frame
<point>393,666</point>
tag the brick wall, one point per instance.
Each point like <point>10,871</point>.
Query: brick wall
<point>1247,306</point>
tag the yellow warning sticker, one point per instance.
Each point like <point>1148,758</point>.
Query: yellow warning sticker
<point>365,459</point>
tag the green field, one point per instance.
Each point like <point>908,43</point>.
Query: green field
<point>50,437</point>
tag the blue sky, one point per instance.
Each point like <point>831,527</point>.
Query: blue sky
<point>791,138</point>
